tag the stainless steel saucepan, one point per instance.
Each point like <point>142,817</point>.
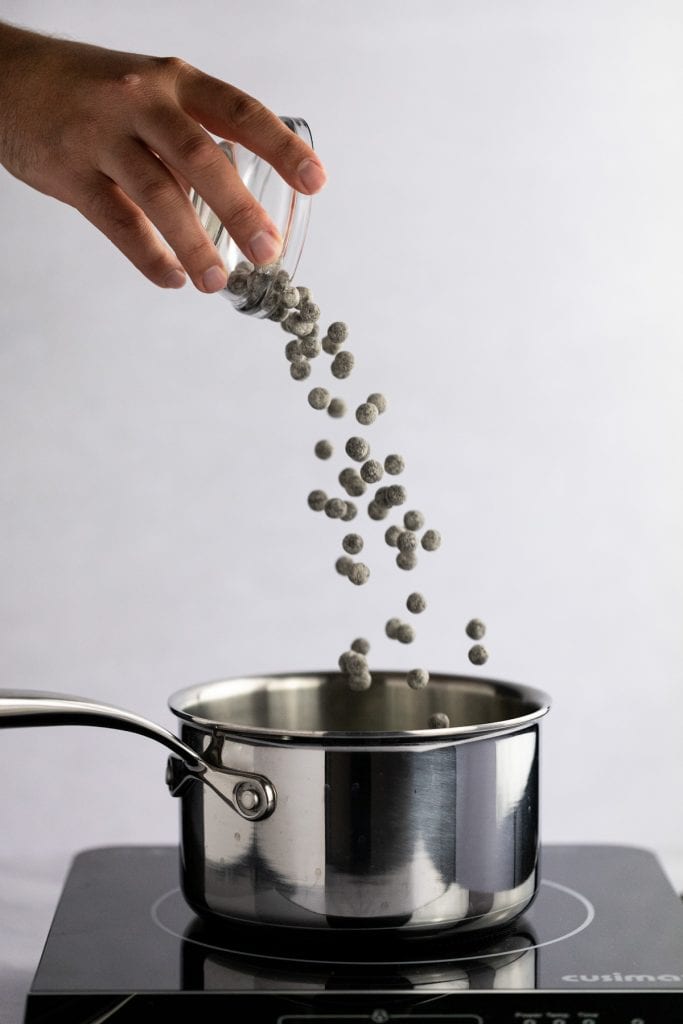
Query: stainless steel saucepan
<point>306,805</point>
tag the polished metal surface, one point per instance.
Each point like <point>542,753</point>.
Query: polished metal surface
<point>399,827</point>
<point>20,708</point>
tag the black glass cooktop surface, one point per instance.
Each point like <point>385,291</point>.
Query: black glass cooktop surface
<point>601,944</point>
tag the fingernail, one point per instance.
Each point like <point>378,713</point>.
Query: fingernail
<point>176,279</point>
<point>264,247</point>
<point>312,175</point>
<point>214,279</point>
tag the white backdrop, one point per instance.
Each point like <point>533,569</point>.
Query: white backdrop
<point>502,231</point>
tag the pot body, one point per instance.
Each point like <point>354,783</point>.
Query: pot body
<point>399,828</point>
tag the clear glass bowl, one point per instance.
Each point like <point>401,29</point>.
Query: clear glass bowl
<point>288,209</point>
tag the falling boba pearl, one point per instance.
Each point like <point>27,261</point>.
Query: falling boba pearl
<point>337,408</point>
<point>394,464</point>
<point>413,520</point>
<point>361,645</point>
<point>431,540</point>
<point>300,370</point>
<point>377,511</point>
<point>366,413</point>
<point>416,603</point>
<point>439,720</point>
<point>361,681</point>
<point>290,296</point>
<point>371,471</point>
<point>324,449</point>
<point>357,448</point>
<point>351,512</point>
<point>246,266</point>
<point>296,324</point>
<point>407,541</point>
<point>352,543</point>
<point>406,559</point>
<point>319,398</point>
<point>356,486</point>
<point>309,310</point>
<point>334,508</point>
<point>381,498</point>
<point>280,281</point>
<point>478,655</point>
<point>359,574</point>
<point>391,536</point>
<point>338,332</point>
<point>278,313</point>
<point>379,402</point>
<point>352,663</point>
<point>405,634</point>
<point>305,295</point>
<point>391,628</point>
<point>342,364</point>
<point>346,476</point>
<point>293,350</point>
<point>396,495</point>
<point>316,500</point>
<point>329,346</point>
<point>417,678</point>
<point>344,565</point>
<point>310,346</point>
<point>475,629</point>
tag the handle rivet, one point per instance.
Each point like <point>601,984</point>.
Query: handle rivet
<point>247,797</point>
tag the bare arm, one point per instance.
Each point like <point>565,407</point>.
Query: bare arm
<point>119,136</point>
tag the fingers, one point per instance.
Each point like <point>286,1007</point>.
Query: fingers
<point>155,190</point>
<point>117,217</point>
<point>235,115</point>
<point>191,153</point>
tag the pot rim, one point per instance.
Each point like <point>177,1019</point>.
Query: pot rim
<point>190,696</point>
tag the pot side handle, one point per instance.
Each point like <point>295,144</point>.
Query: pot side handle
<point>252,796</point>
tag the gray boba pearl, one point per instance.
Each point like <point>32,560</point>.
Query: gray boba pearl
<point>377,511</point>
<point>281,280</point>
<point>316,500</point>
<point>309,310</point>
<point>290,296</point>
<point>396,495</point>
<point>310,346</point>
<point>413,520</point>
<point>366,413</point>
<point>257,284</point>
<point>439,720</point>
<point>329,346</point>
<point>353,663</point>
<point>359,574</point>
<point>352,543</point>
<point>431,540</point>
<point>357,448</point>
<point>371,471</point>
<point>295,324</point>
<point>478,655</point>
<point>406,559</point>
<point>359,682</point>
<point>293,350</point>
<point>344,565</point>
<point>475,629</point>
<point>405,634</point>
<point>278,313</point>
<point>346,476</point>
<point>305,295</point>
<point>335,508</point>
<point>356,486</point>
<point>245,266</point>
<point>416,603</point>
<point>379,401</point>
<point>324,449</point>
<point>391,628</point>
<point>319,398</point>
<point>342,364</point>
<point>394,464</point>
<point>361,645</point>
<point>391,536</point>
<point>300,370</point>
<point>351,512</point>
<point>407,541</point>
<point>417,678</point>
<point>338,332</point>
<point>337,408</point>
<point>237,283</point>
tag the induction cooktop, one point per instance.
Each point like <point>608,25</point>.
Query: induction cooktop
<point>601,944</point>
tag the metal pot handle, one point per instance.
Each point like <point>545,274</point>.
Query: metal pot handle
<point>252,796</point>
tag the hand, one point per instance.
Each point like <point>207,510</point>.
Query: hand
<point>121,137</point>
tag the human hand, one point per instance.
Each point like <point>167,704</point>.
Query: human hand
<point>121,137</point>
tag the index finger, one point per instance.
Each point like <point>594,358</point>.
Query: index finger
<point>235,115</point>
